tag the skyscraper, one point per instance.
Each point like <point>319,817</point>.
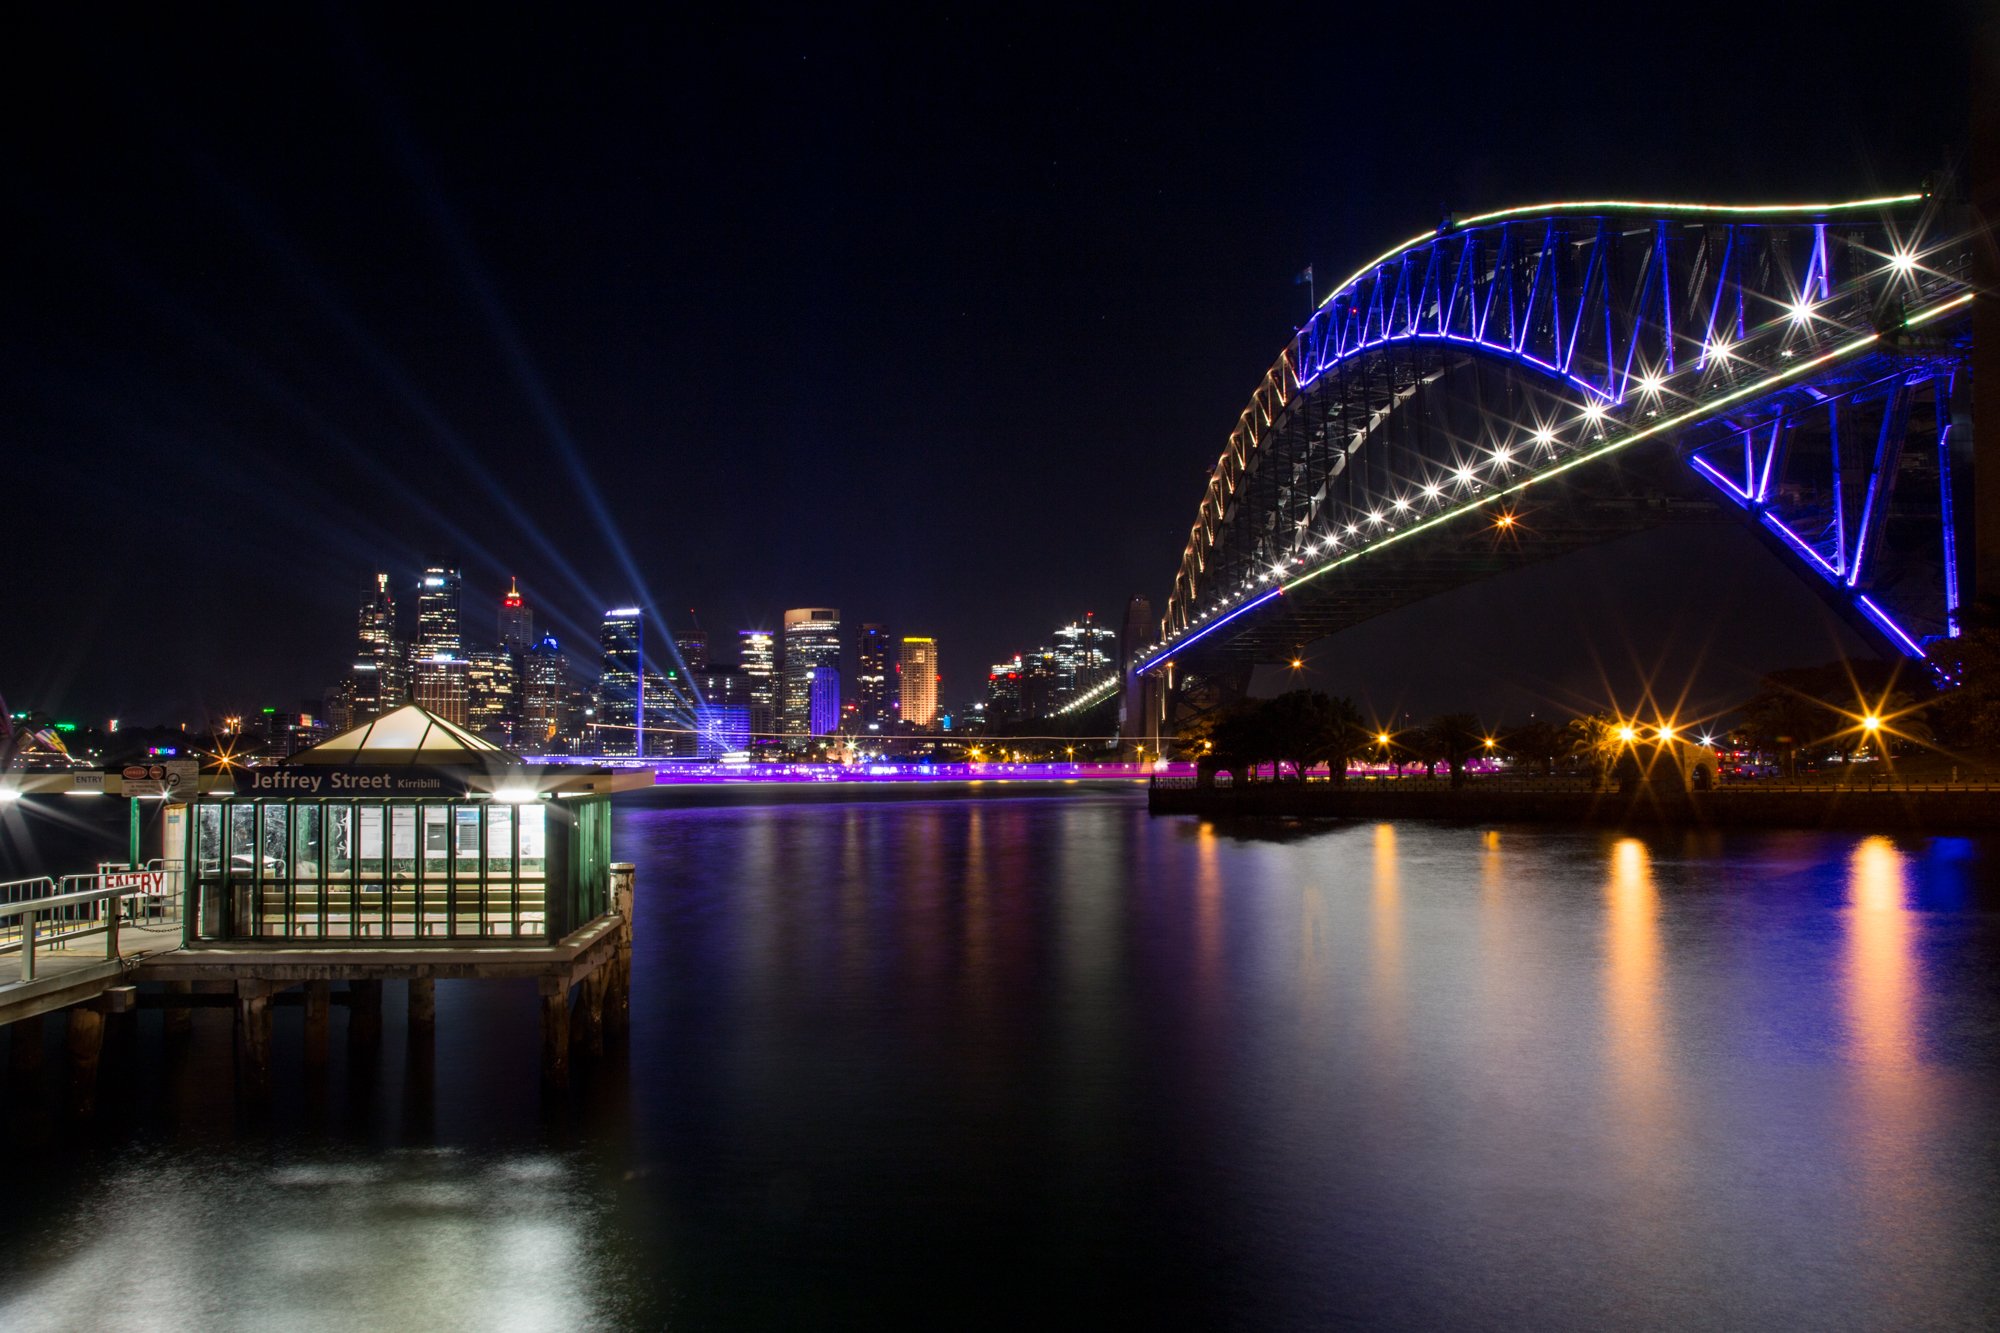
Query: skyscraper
<point>380,678</point>
<point>621,713</point>
<point>544,695</point>
<point>871,680</point>
<point>492,693</point>
<point>1083,655</point>
<point>517,621</point>
<point>756,651</point>
<point>823,700</point>
<point>917,681</point>
<point>812,643</point>
<point>440,685</point>
<point>438,594</point>
<point>437,668</point>
<point>693,645</point>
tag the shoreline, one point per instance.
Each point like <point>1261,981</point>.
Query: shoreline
<point>1859,809</point>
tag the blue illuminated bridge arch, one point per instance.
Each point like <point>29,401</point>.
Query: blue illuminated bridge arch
<point>1524,383</point>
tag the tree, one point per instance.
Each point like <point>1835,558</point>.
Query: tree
<point>1538,741</point>
<point>1457,737</point>
<point>1784,720</point>
<point>1309,728</point>
<point>1595,743</point>
<point>1241,739</point>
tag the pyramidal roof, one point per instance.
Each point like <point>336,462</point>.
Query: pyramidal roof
<point>406,735</point>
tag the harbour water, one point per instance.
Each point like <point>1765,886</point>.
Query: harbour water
<point>1044,1059</point>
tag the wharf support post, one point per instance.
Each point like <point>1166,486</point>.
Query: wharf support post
<point>253,1038</point>
<point>618,995</point>
<point>555,1031</point>
<point>423,1006</point>
<point>85,1040</point>
<point>319,1021</point>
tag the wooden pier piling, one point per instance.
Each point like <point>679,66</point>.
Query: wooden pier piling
<point>319,1021</point>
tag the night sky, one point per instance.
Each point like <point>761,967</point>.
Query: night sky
<point>940,319</point>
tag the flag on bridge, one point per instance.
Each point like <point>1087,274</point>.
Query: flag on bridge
<point>1304,278</point>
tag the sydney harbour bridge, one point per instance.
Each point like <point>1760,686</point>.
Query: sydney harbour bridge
<point>1514,386</point>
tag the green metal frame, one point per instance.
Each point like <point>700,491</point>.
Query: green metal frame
<point>417,889</point>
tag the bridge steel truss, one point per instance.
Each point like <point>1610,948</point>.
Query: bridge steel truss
<point>1801,366</point>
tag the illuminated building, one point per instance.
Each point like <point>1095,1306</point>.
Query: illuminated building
<point>917,681</point>
<point>664,708</point>
<point>1042,677</point>
<point>1084,654</point>
<point>812,644</point>
<point>693,645</point>
<point>544,696</point>
<point>756,651</point>
<point>380,679</point>
<point>871,681</point>
<point>440,688</point>
<point>1003,691</point>
<point>517,621</point>
<point>492,692</point>
<point>438,594</point>
<point>824,700</point>
<point>621,682</point>
<point>721,730</point>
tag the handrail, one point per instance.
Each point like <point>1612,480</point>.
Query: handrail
<point>29,908</point>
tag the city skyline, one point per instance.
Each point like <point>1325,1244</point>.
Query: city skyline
<point>1085,300</point>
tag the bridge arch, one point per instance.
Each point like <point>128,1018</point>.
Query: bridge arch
<point>1458,370</point>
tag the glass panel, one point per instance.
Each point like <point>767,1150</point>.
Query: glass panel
<point>308,893</point>
<point>208,838</point>
<point>402,895</point>
<point>274,854</point>
<point>500,886</point>
<point>370,904</point>
<point>242,837</point>
<point>533,824</point>
<point>339,841</point>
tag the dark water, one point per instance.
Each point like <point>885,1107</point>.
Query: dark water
<point>1046,1060</point>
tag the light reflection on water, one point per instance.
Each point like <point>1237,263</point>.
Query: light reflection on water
<point>1048,1060</point>
<point>408,1239</point>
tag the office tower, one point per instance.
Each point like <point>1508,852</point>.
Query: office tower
<point>1042,677</point>
<point>517,621</point>
<point>492,694</point>
<point>871,680</point>
<point>544,696</point>
<point>812,643</point>
<point>756,652</point>
<point>823,700</point>
<point>438,595</point>
<point>917,681</point>
<point>435,683</point>
<point>380,679</point>
<point>693,645</point>
<point>440,688</point>
<point>621,714</point>
<point>669,713</point>
<point>1083,655</point>
<point>1003,691</point>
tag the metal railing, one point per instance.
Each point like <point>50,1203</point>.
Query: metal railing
<point>48,913</point>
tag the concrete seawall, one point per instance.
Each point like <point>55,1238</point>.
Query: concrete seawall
<point>1926,810</point>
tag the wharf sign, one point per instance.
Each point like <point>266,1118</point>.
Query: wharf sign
<point>310,782</point>
<point>153,883</point>
<point>168,778</point>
